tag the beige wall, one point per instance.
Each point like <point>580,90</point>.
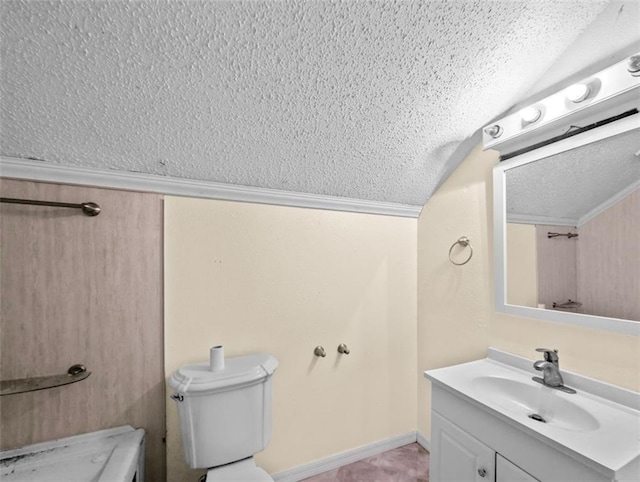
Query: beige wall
<point>456,317</point>
<point>283,280</point>
<point>522,273</point>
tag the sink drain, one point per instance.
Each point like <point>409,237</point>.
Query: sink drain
<point>537,418</point>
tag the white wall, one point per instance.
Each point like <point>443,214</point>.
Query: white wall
<point>283,280</point>
<point>456,316</point>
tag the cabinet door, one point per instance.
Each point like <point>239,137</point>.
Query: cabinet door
<point>508,472</point>
<point>456,456</point>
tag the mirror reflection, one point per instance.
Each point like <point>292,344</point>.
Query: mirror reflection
<point>573,230</point>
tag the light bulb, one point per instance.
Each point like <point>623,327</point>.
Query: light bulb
<point>531,114</point>
<point>494,131</point>
<point>578,92</point>
<point>634,65</point>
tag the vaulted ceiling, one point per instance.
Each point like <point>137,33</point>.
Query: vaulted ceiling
<point>361,99</point>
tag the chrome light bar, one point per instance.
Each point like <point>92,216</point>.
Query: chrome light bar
<point>606,94</point>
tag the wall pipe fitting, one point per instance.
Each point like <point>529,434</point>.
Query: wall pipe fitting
<point>342,348</point>
<point>319,351</point>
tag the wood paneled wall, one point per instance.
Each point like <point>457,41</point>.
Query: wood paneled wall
<point>601,268</point>
<point>609,261</point>
<point>78,289</point>
<point>556,265</point>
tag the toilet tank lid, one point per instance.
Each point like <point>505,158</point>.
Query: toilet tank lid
<point>243,370</point>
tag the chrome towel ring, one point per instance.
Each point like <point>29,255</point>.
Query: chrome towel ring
<point>464,242</point>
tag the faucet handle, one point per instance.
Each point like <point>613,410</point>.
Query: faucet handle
<point>549,355</point>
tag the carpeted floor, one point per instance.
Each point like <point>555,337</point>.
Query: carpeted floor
<point>405,464</point>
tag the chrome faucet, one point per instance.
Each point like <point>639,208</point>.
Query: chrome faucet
<point>550,369</point>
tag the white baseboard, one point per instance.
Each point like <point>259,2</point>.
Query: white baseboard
<point>423,441</point>
<point>335,461</point>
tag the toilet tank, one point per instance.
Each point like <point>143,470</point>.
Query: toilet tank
<point>225,416</point>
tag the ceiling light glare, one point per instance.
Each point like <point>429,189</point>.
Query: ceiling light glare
<point>530,114</point>
<point>578,92</point>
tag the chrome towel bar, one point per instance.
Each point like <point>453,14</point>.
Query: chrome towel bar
<point>21,385</point>
<point>88,208</point>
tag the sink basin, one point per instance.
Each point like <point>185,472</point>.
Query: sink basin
<point>537,402</point>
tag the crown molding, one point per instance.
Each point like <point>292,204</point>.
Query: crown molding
<point>542,220</point>
<point>133,181</point>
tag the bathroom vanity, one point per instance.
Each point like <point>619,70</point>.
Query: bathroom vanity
<point>491,422</point>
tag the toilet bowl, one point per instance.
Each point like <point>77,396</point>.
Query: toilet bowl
<point>243,471</point>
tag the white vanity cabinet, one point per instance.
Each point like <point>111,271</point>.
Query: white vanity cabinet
<point>491,422</point>
<point>508,472</point>
<point>465,450</point>
<point>456,456</point>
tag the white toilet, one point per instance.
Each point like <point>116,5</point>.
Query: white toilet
<point>225,416</point>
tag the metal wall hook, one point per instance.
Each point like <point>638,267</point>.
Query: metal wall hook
<point>342,348</point>
<point>464,242</point>
<point>319,351</point>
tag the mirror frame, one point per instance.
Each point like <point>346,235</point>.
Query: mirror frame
<point>618,325</point>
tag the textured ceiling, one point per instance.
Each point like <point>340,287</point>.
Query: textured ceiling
<point>362,99</point>
<point>571,184</point>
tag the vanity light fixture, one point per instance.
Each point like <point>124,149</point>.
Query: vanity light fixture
<point>634,65</point>
<point>578,92</point>
<point>531,114</point>
<point>593,99</point>
<point>494,131</point>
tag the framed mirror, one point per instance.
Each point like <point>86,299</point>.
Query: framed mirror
<point>567,230</point>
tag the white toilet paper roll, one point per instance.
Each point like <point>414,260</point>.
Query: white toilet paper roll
<point>216,358</point>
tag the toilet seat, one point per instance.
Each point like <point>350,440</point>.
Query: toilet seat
<point>243,471</point>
